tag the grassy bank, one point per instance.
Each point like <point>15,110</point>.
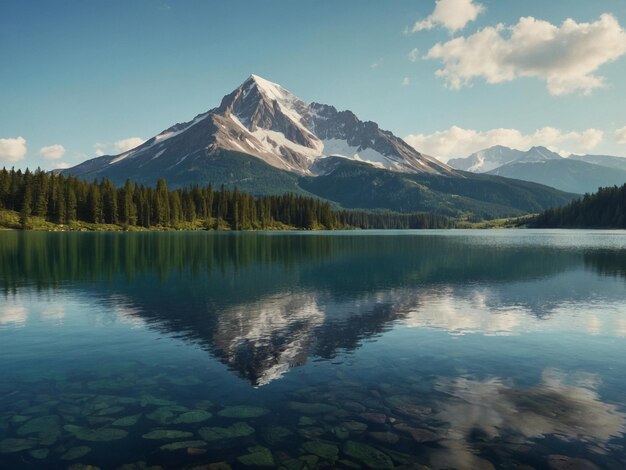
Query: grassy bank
<point>10,220</point>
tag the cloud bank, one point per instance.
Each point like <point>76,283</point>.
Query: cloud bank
<point>459,142</point>
<point>52,152</point>
<point>12,149</point>
<point>450,14</point>
<point>120,146</point>
<point>566,57</point>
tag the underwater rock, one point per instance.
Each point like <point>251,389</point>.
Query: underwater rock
<point>12,445</point>
<point>165,434</point>
<point>173,446</point>
<point>76,453</point>
<point>419,435</point>
<point>376,418</point>
<point>234,431</point>
<point>311,432</point>
<point>341,432</point>
<point>19,419</point>
<point>95,435</point>
<point>204,404</point>
<point>243,412</point>
<point>384,437</point>
<point>184,381</point>
<point>192,417</point>
<point>310,460</point>
<point>166,414</point>
<point>354,406</point>
<point>147,400</point>
<point>355,426</point>
<point>563,462</point>
<point>38,425</point>
<point>368,455</point>
<point>126,421</point>
<point>219,466</point>
<point>274,435</point>
<point>140,465</point>
<point>258,457</point>
<point>345,463</point>
<point>196,450</point>
<point>47,428</point>
<point>82,466</point>
<point>311,408</point>
<point>39,454</point>
<point>322,449</point>
<point>406,405</point>
<point>306,421</point>
<point>292,464</point>
<point>111,410</point>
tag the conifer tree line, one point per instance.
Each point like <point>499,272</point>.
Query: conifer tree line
<point>65,199</point>
<point>603,209</point>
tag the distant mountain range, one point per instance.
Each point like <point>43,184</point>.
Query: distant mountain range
<point>265,140</point>
<point>575,174</point>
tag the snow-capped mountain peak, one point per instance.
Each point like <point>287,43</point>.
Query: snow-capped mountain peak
<point>262,119</point>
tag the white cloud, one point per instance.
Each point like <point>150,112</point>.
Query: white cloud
<point>377,63</point>
<point>414,54</point>
<point>451,14</point>
<point>128,144</point>
<point>620,135</point>
<point>459,142</point>
<point>61,165</point>
<point>52,152</point>
<point>120,146</point>
<point>406,81</point>
<point>12,149</point>
<point>565,57</point>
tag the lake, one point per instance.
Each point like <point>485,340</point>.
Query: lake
<point>448,349</point>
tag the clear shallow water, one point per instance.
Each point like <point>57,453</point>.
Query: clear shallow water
<point>451,349</point>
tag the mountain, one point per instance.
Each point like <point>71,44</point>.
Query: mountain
<point>486,160</point>
<point>603,160</point>
<point>263,139</point>
<point>262,119</point>
<point>566,174</point>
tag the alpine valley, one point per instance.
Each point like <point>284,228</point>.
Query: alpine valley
<point>262,139</point>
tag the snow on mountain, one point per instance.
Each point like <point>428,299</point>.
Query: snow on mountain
<point>487,159</point>
<point>262,119</point>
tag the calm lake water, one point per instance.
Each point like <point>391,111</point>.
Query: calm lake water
<point>449,349</point>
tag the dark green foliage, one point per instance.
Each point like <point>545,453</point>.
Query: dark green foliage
<point>68,199</point>
<point>603,209</point>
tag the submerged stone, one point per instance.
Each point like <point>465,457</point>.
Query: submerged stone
<point>182,445</point>
<point>306,421</point>
<point>39,454</point>
<point>385,437</point>
<point>147,400</point>
<point>258,457</point>
<point>76,453</point>
<point>126,421</point>
<point>12,445</point>
<point>164,434</point>
<point>368,455</point>
<point>43,424</point>
<point>321,449</point>
<point>219,466</point>
<point>376,418</point>
<point>243,412</point>
<point>311,408</point>
<point>355,426</point>
<point>111,410</point>
<point>191,417</point>
<point>274,435</point>
<point>82,466</point>
<point>341,432</point>
<point>230,432</point>
<point>95,435</point>
<point>563,462</point>
<point>166,414</point>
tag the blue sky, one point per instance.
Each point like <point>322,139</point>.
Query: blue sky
<point>78,77</point>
